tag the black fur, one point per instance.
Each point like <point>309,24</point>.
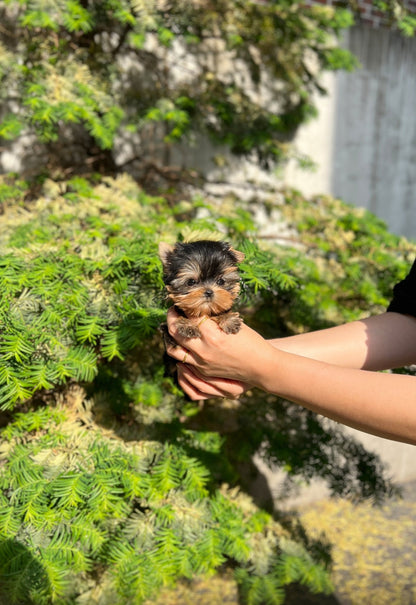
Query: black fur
<point>212,257</point>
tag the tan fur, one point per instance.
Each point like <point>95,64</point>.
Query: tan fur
<point>198,298</point>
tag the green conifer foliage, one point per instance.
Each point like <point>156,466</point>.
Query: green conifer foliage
<point>156,72</point>
<point>162,71</point>
<point>112,485</point>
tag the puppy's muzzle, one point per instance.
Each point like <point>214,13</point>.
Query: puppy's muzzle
<point>209,294</point>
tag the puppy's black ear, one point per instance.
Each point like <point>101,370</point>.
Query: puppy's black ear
<point>239,255</point>
<point>165,250</point>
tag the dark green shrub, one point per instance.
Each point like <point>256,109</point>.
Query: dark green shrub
<point>112,484</point>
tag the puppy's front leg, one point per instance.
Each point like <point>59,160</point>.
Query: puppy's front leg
<point>187,329</point>
<point>230,322</point>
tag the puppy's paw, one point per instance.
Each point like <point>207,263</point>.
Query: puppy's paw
<point>186,329</point>
<point>230,323</point>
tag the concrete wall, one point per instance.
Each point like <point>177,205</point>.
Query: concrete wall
<point>364,145</point>
<point>364,140</point>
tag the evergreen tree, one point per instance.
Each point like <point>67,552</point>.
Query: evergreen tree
<point>154,73</point>
<point>112,484</point>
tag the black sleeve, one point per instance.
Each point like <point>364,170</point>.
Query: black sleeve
<point>404,295</point>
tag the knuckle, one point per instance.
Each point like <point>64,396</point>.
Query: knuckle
<point>169,349</point>
<point>214,338</point>
<point>172,329</point>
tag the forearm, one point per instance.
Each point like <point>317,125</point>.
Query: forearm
<point>377,343</point>
<point>382,404</point>
<point>378,403</point>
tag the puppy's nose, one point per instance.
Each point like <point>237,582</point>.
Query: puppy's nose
<point>208,293</point>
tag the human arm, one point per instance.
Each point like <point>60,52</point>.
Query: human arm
<point>380,342</point>
<point>381,404</point>
<point>376,343</point>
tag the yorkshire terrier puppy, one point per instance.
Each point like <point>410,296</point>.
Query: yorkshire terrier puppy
<point>202,280</point>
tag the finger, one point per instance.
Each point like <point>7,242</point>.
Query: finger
<point>172,315</point>
<point>200,386</point>
<point>180,354</point>
<point>191,391</point>
<point>212,387</point>
<point>227,386</point>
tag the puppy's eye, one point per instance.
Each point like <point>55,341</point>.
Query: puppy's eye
<point>191,282</point>
<point>220,281</point>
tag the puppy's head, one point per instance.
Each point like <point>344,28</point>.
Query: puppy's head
<point>201,277</point>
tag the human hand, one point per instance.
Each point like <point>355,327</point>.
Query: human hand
<point>216,355</point>
<point>198,388</point>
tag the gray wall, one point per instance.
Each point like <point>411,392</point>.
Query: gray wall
<point>374,150</point>
<point>364,140</point>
